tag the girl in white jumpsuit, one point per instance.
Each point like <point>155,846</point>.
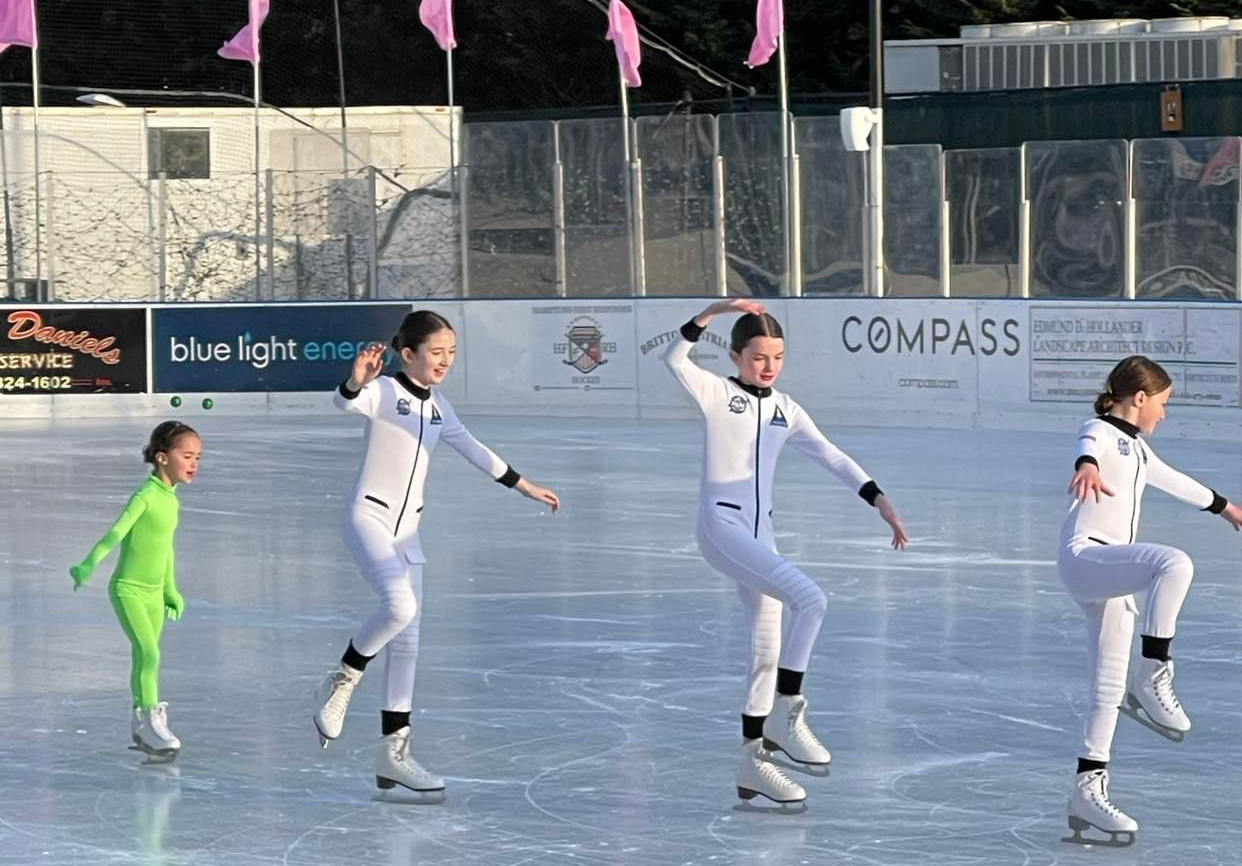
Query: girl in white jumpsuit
<point>1102,566</point>
<point>405,422</point>
<point>747,423</point>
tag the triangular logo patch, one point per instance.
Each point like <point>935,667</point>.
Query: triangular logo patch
<point>435,416</point>
<point>778,418</point>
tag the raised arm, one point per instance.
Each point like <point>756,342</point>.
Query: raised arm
<point>699,382</point>
<point>356,394</point>
<point>81,573</point>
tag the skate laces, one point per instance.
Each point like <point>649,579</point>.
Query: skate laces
<point>1162,685</point>
<point>800,729</point>
<point>340,687</point>
<point>771,773</point>
<point>1099,792</point>
<point>159,720</point>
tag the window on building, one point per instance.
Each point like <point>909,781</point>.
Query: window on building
<point>179,153</point>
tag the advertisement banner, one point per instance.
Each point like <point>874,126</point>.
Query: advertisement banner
<point>1073,349</point>
<point>910,354</point>
<point>583,347</point>
<point>555,353</point>
<point>265,348</point>
<point>73,350</point>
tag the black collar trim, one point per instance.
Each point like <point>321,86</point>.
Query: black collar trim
<point>1124,426</point>
<point>752,390</point>
<point>413,387</point>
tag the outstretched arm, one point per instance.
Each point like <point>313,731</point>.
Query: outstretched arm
<point>1181,486</point>
<point>693,378</point>
<point>81,573</point>
<point>807,438</point>
<point>456,435</point>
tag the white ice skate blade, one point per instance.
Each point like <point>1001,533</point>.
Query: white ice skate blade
<point>324,739</point>
<point>156,756</point>
<point>1116,839</point>
<point>771,807</point>
<point>1132,708</point>
<point>398,794</point>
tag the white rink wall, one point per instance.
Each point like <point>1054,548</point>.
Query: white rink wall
<point>1018,364</point>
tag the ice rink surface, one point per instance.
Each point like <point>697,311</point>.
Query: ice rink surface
<point>581,675</point>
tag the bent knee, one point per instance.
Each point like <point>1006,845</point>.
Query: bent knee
<point>1177,563</point>
<point>402,608</point>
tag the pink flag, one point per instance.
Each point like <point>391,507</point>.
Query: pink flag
<point>437,16</point>
<point>17,23</point>
<point>624,35</point>
<point>245,45</point>
<point>769,24</point>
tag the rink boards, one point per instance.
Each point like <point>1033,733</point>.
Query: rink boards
<point>918,362</point>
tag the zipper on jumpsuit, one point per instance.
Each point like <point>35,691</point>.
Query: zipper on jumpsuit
<point>758,436</point>
<point>410,485</point>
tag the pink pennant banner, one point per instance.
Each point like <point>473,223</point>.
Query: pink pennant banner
<point>769,24</point>
<point>245,45</point>
<point>17,24</point>
<point>624,35</point>
<point>437,16</point>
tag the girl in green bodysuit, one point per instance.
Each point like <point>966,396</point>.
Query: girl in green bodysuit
<point>143,589</point>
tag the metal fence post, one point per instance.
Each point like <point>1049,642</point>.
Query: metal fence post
<point>558,213</point>
<point>162,239</point>
<point>372,237</point>
<point>270,213</point>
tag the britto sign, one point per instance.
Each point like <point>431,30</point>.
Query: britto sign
<point>584,347</point>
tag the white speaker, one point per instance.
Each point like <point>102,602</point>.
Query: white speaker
<point>856,126</point>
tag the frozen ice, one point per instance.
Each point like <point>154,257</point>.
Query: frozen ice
<point>581,674</point>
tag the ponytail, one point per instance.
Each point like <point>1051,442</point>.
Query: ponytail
<point>1131,375</point>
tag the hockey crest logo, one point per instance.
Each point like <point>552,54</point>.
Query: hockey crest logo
<point>403,406</point>
<point>778,418</point>
<point>435,416</point>
<point>738,404</point>
<point>585,346</point>
<point>1123,447</point>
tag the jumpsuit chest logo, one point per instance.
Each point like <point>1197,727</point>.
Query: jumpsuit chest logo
<point>435,416</point>
<point>738,404</point>
<point>1123,447</point>
<point>778,419</point>
<point>403,406</point>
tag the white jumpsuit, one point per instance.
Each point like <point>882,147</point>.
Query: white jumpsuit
<point>745,429</point>
<point>405,422</point>
<point>1102,566</point>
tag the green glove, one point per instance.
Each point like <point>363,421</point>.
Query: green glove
<point>81,574</point>
<point>174,606</point>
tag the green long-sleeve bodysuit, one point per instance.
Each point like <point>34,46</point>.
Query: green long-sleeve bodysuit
<point>142,587</point>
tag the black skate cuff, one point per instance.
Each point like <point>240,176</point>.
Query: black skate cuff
<point>1219,503</point>
<point>870,492</point>
<point>692,331</point>
<point>510,478</point>
<point>1086,458</point>
<point>346,392</point>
